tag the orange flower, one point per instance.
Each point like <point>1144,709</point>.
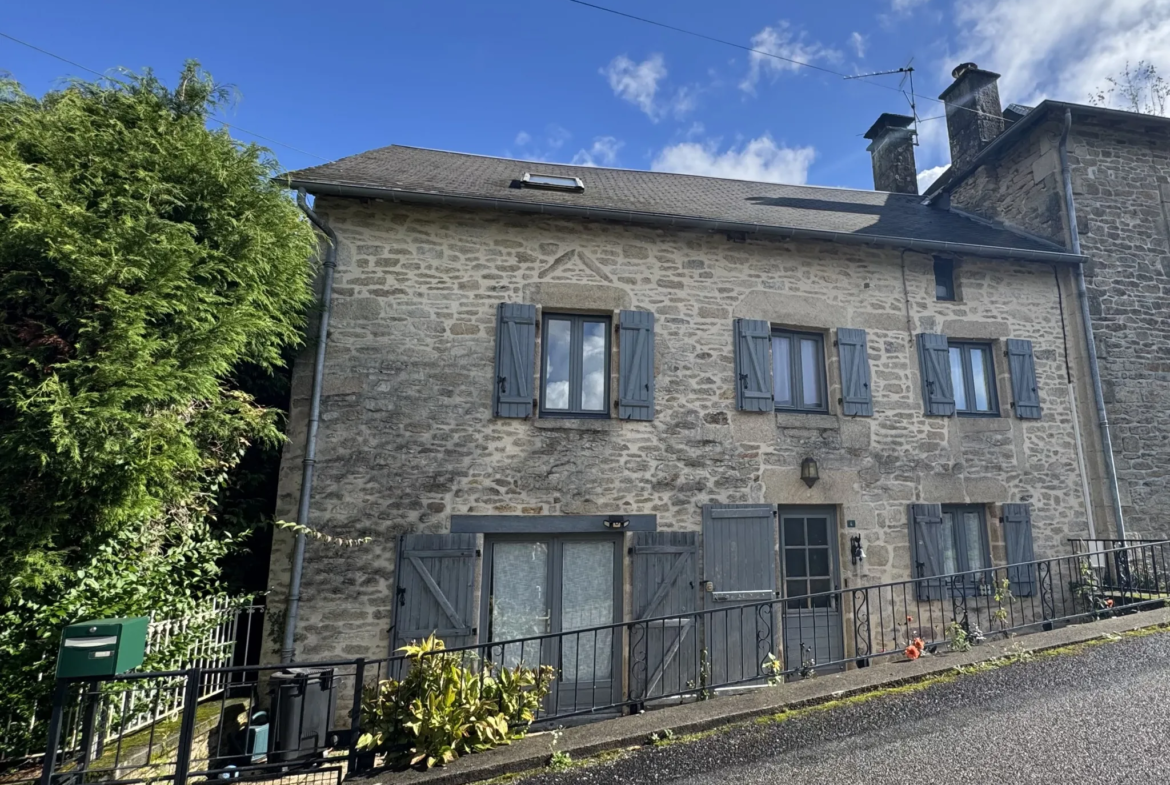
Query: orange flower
<point>919,644</point>
<point>1108,603</point>
<point>909,619</point>
<point>912,652</point>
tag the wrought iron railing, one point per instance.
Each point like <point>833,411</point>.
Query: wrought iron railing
<point>223,634</point>
<point>614,668</point>
<point>1130,565</point>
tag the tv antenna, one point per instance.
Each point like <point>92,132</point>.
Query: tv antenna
<point>907,72</point>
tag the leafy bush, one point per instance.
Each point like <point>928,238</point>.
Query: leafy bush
<point>447,706</point>
<point>149,268</point>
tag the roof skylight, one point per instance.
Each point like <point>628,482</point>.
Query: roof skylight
<point>552,182</point>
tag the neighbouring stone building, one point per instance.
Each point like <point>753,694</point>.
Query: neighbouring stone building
<point>558,397</point>
<point>1120,169</point>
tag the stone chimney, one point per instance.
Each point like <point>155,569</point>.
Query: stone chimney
<point>974,115</point>
<point>892,150</point>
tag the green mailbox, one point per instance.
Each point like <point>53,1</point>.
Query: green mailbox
<point>104,647</point>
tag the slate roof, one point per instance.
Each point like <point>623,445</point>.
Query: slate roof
<point>409,172</point>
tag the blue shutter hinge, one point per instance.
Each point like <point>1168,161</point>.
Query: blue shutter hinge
<point>743,377</point>
<point>502,383</point>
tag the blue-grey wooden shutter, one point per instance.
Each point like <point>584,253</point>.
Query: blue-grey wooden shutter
<point>636,368</point>
<point>515,360</point>
<point>926,544</point>
<point>934,359</point>
<point>1025,395</point>
<point>436,588</point>
<point>739,561</point>
<point>852,349</point>
<point>753,366</point>
<point>666,651</point>
<point>1017,536</point>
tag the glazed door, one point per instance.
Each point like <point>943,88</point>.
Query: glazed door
<point>809,563</point>
<point>547,585</point>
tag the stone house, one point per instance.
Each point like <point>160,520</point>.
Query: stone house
<point>559,397</point>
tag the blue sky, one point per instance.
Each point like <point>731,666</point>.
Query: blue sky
<point>552,80</point>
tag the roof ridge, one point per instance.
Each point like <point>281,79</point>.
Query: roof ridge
<point>615,169</point>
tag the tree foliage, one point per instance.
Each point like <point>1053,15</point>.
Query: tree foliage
<point>1137,89</point>
<point>146,262</point>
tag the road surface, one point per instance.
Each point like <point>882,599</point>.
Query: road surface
<point>1098,716</point>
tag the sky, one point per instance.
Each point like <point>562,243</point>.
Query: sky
<point>554,80</point>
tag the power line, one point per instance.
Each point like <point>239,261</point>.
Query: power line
<point>214,117</point>
<point>764,53</point>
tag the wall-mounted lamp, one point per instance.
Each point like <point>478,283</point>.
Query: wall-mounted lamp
<point>616,522</point>
<point>855,549</point>
<point>809,472</point>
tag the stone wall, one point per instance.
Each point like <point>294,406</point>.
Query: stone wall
<point>407,437</point>
<point>1120,184</point>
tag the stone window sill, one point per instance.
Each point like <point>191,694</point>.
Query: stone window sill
<point>984,424</point>
<point>573,424</point>
<point>802,420</point>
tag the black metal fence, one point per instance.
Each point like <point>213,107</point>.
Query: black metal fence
<point>268,722</point>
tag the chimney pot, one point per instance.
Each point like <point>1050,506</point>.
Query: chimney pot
<point>892,150</point>
<point>962,68</point>
<point>974,113</point>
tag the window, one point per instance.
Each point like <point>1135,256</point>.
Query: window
<point>973,379</point>
<point>574,379</point>
<point>552,182</point>
<point>798,371</point>
<point>964,541</point>
<point>944,279</point>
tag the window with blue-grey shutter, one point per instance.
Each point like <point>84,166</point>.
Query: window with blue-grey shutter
<point>934,359</point>
<point>926,545</point>
<point>515,360</point>
<point>753,365</point>
<point>1017,537</point>
<point>636,367</point>
<point>856,396</point>
<point>1025,395</point>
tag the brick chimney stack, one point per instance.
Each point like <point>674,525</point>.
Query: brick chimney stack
<point>892,150</point>
<point>974,114</point>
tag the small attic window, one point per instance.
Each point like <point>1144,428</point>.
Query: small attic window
<point>552,182</point>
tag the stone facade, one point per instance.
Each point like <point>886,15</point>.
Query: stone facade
<point>1121,186</point>
<point>408,438</point>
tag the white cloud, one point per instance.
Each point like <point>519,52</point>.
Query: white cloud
<point>905,6</point>
<point>928,176</point>
<point>760,159</point>
<point>1061,50</point>
<point>636,83</point>
<point>522,139</point>
<point>857,41</point>
<point>603,152</point>
<point>640,83</point>
<point>782,41</point>
<point>557,136</point>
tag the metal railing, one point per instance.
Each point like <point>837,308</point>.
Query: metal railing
<point>627,666</point>
<point>1129,565</point>
<point>223,634</point>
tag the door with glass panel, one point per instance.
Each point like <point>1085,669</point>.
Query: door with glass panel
<point>813,635</point>
<point>565,584</point>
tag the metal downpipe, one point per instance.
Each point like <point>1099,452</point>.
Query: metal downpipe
<point>298,560</point>
<point>1086,321</point>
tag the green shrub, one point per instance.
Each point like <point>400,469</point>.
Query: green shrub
<point>447,706</point>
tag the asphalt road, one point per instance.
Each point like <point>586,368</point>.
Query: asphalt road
<point>1098,716</point>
